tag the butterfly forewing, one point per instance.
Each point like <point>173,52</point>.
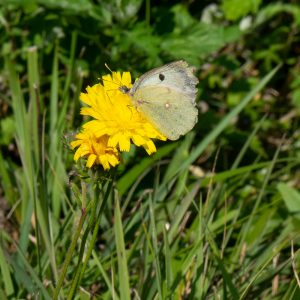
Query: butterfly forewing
<point>177,75</point>
<point>166,96</point>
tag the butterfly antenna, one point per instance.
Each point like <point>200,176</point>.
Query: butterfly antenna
<point>111,81</point>
<point>120,82</point>
<point>106,65</point>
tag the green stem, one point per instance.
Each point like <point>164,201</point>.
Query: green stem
<point>81,268</point>
<point>75,280</point>
<point>69,255</point>
<point>92,244</point>
<point>148,12</point>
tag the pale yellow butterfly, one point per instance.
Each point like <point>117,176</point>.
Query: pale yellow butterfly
<point>166,96</point>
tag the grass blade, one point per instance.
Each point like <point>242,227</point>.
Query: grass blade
<point>121,252</point>
<point>224,123</point>
<point>8,284</point>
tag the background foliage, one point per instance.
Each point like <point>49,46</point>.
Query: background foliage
<point>214,215</point>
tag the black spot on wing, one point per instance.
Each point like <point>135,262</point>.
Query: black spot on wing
<point>161,77</point>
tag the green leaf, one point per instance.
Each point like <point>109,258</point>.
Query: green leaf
<point>131,176</point>
<point>7,130</point>
<point>291,198</point>
<point>236,9</point>
<point>202,39</point>
<point>5,274</point>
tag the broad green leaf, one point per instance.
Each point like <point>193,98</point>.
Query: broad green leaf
<point>235,9</point>
<point>291,198</point>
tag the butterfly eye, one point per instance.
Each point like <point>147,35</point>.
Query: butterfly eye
<point>161,77</point>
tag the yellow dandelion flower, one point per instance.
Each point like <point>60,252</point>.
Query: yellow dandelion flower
<point>116,117</point>
<point>95,149</point>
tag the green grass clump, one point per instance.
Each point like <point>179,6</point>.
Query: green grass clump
<point>215,215</point>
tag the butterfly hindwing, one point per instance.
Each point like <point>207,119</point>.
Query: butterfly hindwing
<point>170,111</point>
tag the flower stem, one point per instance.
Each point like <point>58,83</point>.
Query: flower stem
<point>99,202</point>
<point>79,267</point>
<point>69,254</point>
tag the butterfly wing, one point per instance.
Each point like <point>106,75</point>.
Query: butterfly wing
<point>169,111</point>
<point>177,75</point>
<point>166,95</point>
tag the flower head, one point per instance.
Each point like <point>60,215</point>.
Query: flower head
<point>115,123</point>
<point>96,149</point>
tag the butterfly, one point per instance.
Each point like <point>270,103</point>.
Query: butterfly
<point>166,96</point>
